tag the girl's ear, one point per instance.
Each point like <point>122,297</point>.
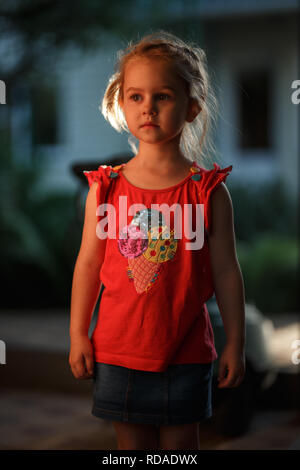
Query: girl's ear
<point>193,109</point>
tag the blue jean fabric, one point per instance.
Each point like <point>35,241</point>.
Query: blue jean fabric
<point>179,395</point>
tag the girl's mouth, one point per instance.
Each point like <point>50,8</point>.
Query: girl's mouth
<point>149,125</point>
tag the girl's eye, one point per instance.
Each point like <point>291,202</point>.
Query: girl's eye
<point>164,95</point>
<point>132,97</point>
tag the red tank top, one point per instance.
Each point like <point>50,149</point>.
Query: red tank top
<point>152,311</point>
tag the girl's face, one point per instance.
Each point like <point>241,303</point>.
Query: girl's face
<point>152,91</point>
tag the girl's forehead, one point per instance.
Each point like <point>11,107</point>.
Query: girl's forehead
<point>155,70</point>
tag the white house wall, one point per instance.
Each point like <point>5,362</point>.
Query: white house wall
<point>272,42</point>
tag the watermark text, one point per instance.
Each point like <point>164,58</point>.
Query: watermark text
<point>295,96</point>
<point>2,352</point>
<point>2,92</point>
<point>149,223</point>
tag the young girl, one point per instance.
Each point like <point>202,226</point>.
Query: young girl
<point>152,351</point>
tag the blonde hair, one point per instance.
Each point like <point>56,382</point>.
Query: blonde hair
<point>191,65</point>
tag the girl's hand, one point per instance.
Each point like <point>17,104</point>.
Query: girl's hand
<point>231,366</point>
<point>81,357</point>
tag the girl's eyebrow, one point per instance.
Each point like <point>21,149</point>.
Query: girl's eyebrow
<point>161,88</point>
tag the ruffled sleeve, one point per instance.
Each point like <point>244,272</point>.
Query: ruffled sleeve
<point>92,176</point>
<point>207,183</point>
<point>103,177</point>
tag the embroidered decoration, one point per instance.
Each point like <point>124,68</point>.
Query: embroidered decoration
<point>148,245</point>
<point>133,241</point>
<point>194,169</point>
<point>147,218</point>
<point>161,246</point>
<point>113,174</point>
<point>196,177</point>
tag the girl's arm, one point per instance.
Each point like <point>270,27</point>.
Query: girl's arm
<point>85,290</point>
<point>229,287</point>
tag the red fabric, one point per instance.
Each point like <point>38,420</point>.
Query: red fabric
<point>152,311</point>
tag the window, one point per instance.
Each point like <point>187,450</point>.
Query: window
<point>254,109</point>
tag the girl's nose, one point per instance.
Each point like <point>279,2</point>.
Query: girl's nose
<point>149,107</point>
<point>150,111</point>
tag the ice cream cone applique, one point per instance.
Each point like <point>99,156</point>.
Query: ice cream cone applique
<point>147,242</point>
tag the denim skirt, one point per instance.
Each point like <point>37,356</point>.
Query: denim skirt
<point>179,395</point>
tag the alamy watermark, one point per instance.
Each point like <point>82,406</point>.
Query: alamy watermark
<point>296,354</point>
<point>153,223</point>
<point>2,352</point>
<point>2,92</point>
<point>295,96</point>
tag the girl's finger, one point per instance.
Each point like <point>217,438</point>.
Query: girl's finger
<point>229,380</point>
<point>222,371</point>
<point>73,371</point>
<point>89,364</point>
<point>79,368</point>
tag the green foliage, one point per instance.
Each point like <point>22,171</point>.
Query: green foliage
<point>39,239</point>
<point>263,208</point>
<point>270,268</point>
<point>265,218</point>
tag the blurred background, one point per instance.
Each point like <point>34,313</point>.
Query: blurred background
<point>55,61</point>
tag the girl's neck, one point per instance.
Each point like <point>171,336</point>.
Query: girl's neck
<point>162,158</point>
<point>161,163</point>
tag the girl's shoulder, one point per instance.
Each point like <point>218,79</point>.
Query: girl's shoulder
<point>216,168</point>
<point>208,182</point>
<point>103,174</point>
<point>207,179</point>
